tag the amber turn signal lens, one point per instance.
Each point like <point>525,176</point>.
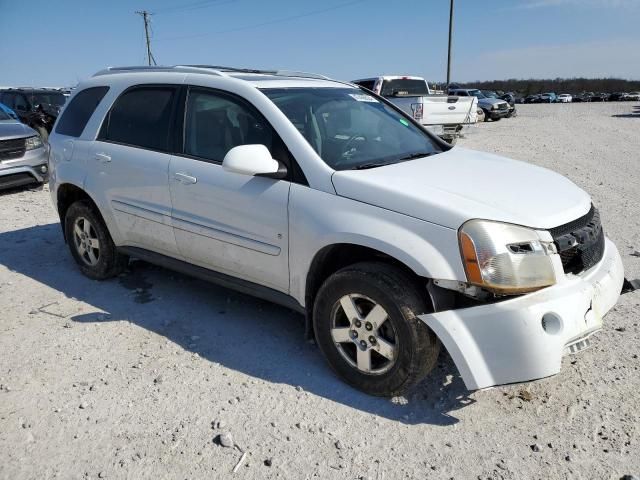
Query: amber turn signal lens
<point>470,259</point>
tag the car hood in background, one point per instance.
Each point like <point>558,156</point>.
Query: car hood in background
<point>13,129</point>
<point>460,184</point>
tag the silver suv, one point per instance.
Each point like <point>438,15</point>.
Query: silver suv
<point>23,156</point>
<point>326,198</point>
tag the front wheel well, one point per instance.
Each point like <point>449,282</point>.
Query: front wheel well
<point>335,257</point>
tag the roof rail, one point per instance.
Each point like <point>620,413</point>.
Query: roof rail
<point>209,69</point>
<point>283,73</point>
<point>157,68</point>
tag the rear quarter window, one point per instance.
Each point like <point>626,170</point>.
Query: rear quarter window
<point>79,111</point>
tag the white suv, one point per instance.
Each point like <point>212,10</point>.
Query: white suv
<point>326,198</point>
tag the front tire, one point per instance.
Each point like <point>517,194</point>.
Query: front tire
<point>90,243</point>
<point>366,324</point>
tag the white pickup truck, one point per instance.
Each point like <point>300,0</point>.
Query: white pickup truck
<point>445,116</point>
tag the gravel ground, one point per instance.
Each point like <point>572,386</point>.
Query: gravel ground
<point>156,375</point>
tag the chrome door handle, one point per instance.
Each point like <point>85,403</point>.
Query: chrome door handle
<point>103,157</point>
<point>184,178</point>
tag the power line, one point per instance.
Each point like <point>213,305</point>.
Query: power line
<point>270,22</point>
<point>145,16</point>
<point>193,6</point>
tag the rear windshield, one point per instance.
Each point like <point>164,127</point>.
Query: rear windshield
<point>350,129</point>
<point>404,87</point>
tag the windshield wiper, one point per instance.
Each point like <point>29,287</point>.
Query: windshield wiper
<point>365,166</point>
<point>417,155</point>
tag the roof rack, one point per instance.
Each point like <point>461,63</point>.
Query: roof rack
<point>208,69</point>
<point>279,73</point>
<point>156,68</point>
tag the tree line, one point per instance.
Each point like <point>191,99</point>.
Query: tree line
<point>557,85</point>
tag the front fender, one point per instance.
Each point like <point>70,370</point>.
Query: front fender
<point>318,219</point>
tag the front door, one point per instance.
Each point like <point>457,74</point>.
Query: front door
<point>232,223</point>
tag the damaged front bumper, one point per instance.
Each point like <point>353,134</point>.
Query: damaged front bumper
<point>525,338</point>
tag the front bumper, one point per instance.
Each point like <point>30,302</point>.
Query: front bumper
<point>494,114</point>
<point>26,169</point>
<point>508,342</point>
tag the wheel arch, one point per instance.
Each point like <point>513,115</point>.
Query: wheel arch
<point>66,195</point>
<point>336,256</point>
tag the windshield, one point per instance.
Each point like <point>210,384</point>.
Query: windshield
<point>404,87</point>
<point>352,129</point>
<point>4,115</point>
<point>476,93</point>
<point>55,99</point>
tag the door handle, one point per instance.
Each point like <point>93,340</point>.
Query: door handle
<point>103,157</point>
<point>184,178</point>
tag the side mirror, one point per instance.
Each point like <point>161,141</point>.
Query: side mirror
<point>253,160</point>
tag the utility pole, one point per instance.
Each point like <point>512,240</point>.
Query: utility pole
<point>449,51</point>
<point>145,16</point>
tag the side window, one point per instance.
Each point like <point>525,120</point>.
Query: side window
<point>79,111</point>
<point>215,123</point>
<point>368,84</point>
<point>20,103</point>
<point>141,117</point>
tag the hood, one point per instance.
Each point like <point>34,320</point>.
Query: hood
<point>455,186</point>
<point>13,129</point>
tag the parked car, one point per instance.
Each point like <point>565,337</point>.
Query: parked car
<point>510,98</point>
<point>9,112</point>
<point>37,108</point>
<point>23,156</point>
<point>531,99</point>
<point>564,98</point>
<point>327,198</point>
<point>634,96</point>
<point>581,97</point>
<point>547,98</point>
<point>446,116</point>
<point>494,109</point>
<point>598,97</point>
<point>618,96</point>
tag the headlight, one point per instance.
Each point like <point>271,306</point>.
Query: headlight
<point>32,143</point>
<point>494,106</point>
<point>505,258</point>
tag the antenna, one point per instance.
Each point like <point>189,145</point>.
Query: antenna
<point>145,17</point>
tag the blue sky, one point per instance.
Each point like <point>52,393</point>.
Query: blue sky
<point>59,43</point>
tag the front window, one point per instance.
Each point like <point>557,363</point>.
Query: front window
<point>350,129</point>
<point>4,116</point>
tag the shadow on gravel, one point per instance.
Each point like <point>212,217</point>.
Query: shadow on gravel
<point>634,114</point>
<point>237,331</point>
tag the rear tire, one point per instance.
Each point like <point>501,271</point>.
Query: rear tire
<point>382,307</point>
<point>90,243</point>
<point>486,116</point>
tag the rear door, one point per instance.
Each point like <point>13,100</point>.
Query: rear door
<point>129,163</point>
<point>234,224</point>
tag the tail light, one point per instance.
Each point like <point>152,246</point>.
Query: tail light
<point>418,110</point>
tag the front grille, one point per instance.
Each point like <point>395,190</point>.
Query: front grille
<point>11,149</point>
<point>580,243</point>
